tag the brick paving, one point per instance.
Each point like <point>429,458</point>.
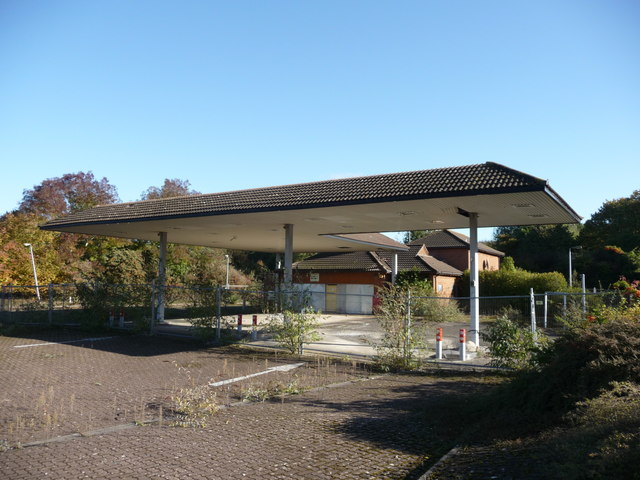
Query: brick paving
<point>364,428</point>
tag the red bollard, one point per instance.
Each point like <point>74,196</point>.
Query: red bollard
<point>239,324</point>
<point>111,318</point>
<point>463,344</point>
<point>439,344</point>
<point>122,318</point>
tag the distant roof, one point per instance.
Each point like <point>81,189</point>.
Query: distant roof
<point>321,211</point>
<point>413,259</point>
<point>348,261</point>
<point>379,261</point>
<point>450,239</point>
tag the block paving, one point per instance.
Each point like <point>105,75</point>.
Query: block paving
<point>84,395</point>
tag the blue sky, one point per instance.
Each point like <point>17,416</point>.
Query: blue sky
<point>242,94</point>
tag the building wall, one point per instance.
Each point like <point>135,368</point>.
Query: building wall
<point>488,262</point>
<point>460,258</point>
<point>444,286</point>
<point>338,277</point>
<point>456,257</point>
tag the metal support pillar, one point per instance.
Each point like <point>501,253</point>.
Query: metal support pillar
<point>288,254</point>
<point>162,277</point>
<point>474,307</point>
<point>394,268</point>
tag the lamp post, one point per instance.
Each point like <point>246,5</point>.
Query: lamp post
<point>33,264</point>
<point>577,247</point>
<point>227,282</point>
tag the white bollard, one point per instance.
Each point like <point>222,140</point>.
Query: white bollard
<point>463,344</point>
<point>439,344</point>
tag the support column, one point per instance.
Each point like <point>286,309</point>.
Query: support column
<point>474,279</point>
<point>288,255</point>
<point>162,277</point>
<point>394,268</point>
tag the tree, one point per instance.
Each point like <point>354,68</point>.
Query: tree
<point>170,188</point>
<point>538,248</point>
<point>412,235</point>
<point>58,256</point>
<point>70,193</point>
<point>53,252</point>
<point>616,223</point>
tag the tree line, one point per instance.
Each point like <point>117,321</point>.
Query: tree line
<point>605,248</point>
<point>74,258</point>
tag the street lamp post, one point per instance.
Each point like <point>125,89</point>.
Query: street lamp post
<point>577,247</point>
<point>33,264</point>
<point>227,282</point>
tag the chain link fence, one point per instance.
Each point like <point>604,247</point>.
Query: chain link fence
<point>136,306</point>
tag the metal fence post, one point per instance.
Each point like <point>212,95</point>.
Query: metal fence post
<point>546,308</point>
<point>218,312</point>
<point>533,315</point>
<point>584,293</point>
<point>10,300</point>
<point>407,328</point>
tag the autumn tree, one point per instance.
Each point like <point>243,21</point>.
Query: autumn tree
<point>58,256</point>
<point>70,193</point>
<point>173,187</point>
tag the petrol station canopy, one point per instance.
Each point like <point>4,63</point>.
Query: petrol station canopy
<point>333,215</point>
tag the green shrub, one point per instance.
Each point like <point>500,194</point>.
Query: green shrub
<point>578,366</point>
<point>503,282</point>
<point>510,344</point>
<point>425,302</point>
<point>293,329</point>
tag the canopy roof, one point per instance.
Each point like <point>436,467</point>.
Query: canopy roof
<point>323,212</point>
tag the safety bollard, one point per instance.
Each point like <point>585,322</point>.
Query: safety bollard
<point>111,318</point>
<point>254,328</point>
<point>439,344</point>
<point>121,323</point>
<point>463,344</point>
<point>240,324</point>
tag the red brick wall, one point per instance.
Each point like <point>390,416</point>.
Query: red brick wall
<point>362,278</point>
<point>456,257</point>
<point>461,258</point>
<point>488,262</point>
<point>448,285</point>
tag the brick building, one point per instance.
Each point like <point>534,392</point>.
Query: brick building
<point>347,282</point>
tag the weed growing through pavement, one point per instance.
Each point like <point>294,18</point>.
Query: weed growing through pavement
<point>193,406</point>
<point>47,414</point>
<point>260,393</point>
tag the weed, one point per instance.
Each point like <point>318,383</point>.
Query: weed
<point>257,393</point>
<point>194,405</point>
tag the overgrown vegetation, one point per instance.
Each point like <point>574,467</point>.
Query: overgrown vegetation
<point>580,394</point>
<point>511,344</point>
<point>293,329</point>
<point>402,339</point>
